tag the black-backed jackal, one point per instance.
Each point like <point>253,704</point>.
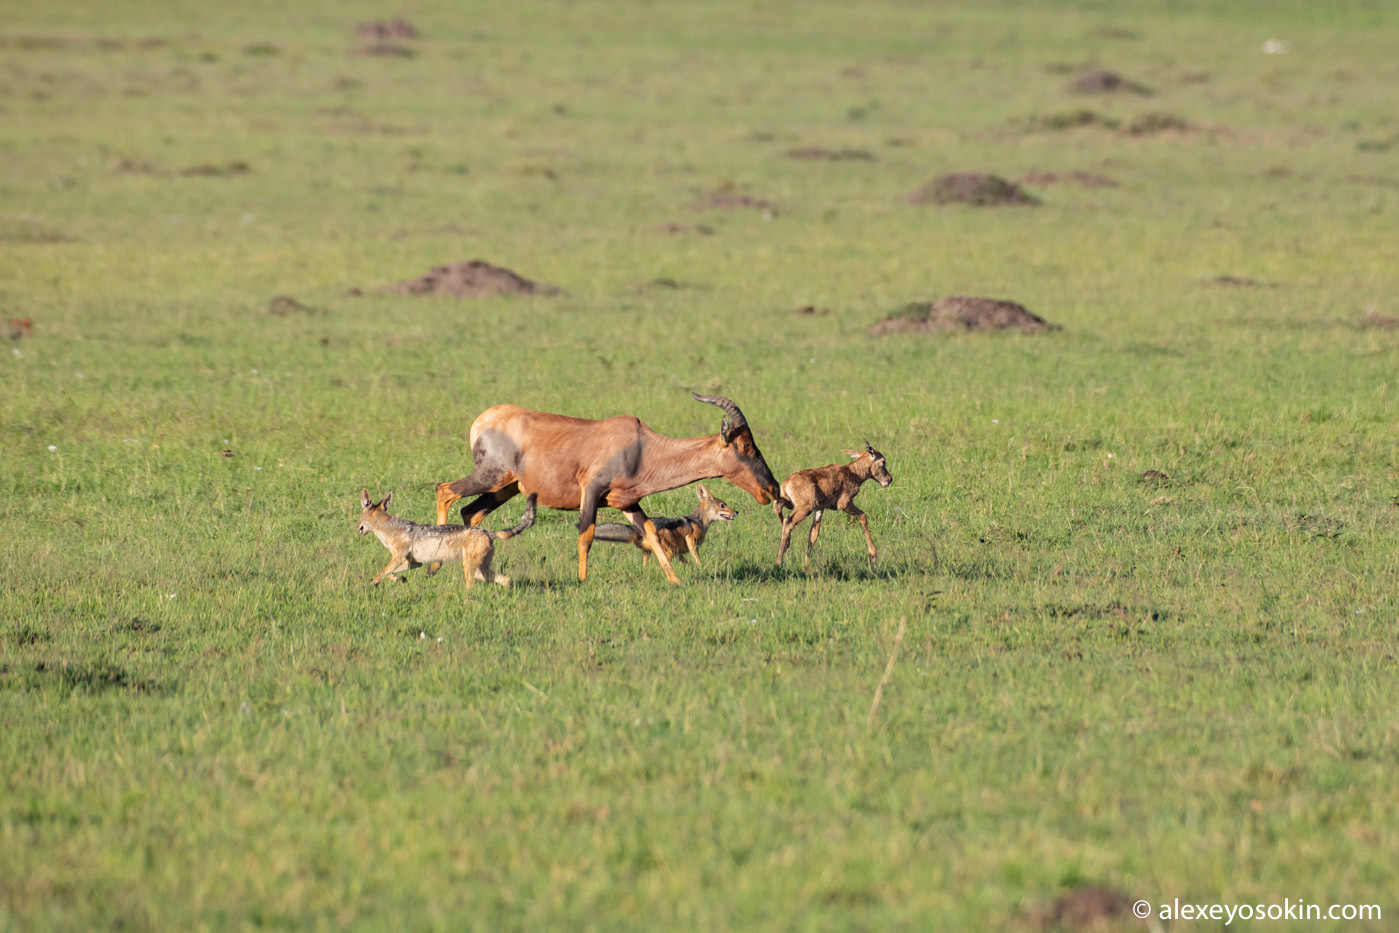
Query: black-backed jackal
<point>412,545</point>
<point>676,535</point>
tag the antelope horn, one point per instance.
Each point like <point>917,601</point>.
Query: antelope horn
<point>733,418</point>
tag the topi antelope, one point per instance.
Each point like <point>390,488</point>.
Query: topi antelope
<point>577,465</point>
<point>811,492</point>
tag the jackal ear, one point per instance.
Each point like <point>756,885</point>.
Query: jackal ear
<point>854,454</point>
<point>385,503</point>
<point>364,499</point>
<point>703,493</point>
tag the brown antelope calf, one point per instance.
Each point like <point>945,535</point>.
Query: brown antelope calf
<point>412,545</point>
<point>674,533</point>
<point>811,492</point>
<point>577,465</point>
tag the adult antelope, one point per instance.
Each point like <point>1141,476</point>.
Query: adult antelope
<point>577,465</point>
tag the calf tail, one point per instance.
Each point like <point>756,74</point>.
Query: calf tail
<point>526,520</point>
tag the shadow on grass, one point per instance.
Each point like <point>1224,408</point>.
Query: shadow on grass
<point>771,573</point>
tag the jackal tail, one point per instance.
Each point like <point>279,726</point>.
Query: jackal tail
<point>526,520</point>
<point>616,531</point>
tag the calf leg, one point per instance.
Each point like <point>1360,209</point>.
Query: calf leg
<point>799,514</point>
<point>851,509</point>
<point>815,532</point>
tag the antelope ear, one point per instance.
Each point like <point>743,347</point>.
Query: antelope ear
<point>385,503</point>
<point>853,454</point>
<point>364,499</point>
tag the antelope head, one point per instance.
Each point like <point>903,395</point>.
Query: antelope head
<point>740,460</point>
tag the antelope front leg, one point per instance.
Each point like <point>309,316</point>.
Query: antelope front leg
<point>587,527</point>
<point>865,524</point>
<point>653,541</point>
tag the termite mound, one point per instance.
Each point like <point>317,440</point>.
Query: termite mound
<point>474,279</point>
<point>958,312</point>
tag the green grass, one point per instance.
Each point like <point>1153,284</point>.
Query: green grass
<point>1174,688</point>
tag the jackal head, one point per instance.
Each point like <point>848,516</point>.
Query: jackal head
<point>712,507</point>
<point>370,508</point>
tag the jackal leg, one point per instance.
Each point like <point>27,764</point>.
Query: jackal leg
<point>486,572</point>
<point>694,551</point>
<point>639,520</point>
<point>815,532</point>
<point>851,509</point>
<point>396,563</point>
<point>798,516</point>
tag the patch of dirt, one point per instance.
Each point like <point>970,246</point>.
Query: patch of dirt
<point>1378,181</point>
<point>673,227</point>
<point>216,170</point>
<point>474,279</point>
<point>283,305</point>
<point>959,312</point>
<point>1151,123</point>
<point>1379,321</point>
<point>1085,179</point>
<point>384,50</point>
<point>810,311</point>
<point>1236,281</point>
<point>725,199</point>
<point>970,188</point>
<point>1098,81</point>
<point>133,167</point>
<point>1092,908</point>
<point>1156,478</point>
<point>386,29</point>
<point>813,153</point>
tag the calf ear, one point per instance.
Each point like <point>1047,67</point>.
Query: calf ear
<point>364,499</point>
<point>854,454</point>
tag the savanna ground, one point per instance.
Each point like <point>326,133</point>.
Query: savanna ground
<point>1183,685</point>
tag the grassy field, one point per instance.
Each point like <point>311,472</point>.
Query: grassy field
<point>1169,687</point>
